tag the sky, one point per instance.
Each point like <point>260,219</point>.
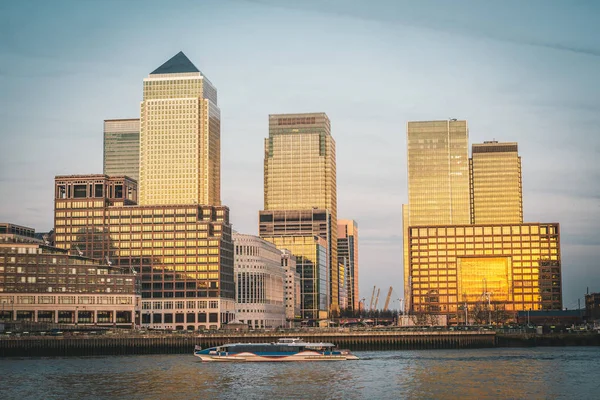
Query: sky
<point>516,71</point>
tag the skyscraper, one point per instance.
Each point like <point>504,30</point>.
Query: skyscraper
<point>122,147</point>
<point>300,174</point>
<point>348,256</point>
<point>179,137</point>
<point>496,189</point>
<point>467,253</point>
<point>438,172</point>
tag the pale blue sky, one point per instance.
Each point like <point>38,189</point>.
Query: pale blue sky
<point>517,71</point>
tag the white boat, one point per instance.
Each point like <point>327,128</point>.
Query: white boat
<point>286,349</point>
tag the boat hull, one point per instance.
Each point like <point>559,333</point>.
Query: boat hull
<point>302,356</point>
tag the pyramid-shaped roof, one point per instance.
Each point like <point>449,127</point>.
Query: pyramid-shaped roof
<point>179,63</point>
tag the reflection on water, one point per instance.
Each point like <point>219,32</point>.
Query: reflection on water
<point>474,374</point>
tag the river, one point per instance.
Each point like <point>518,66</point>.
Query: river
<point>499,373</point>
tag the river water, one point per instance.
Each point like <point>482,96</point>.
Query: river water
<point>508,373</point>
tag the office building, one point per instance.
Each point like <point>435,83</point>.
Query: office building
<point>461,261</point>
<point>184,253</point>
<point>508,267</point>
<point>43,284</point>
<point>259,282</point>
<point>303,233</point>
<point>180,130</point>
<point>300,174</point>
<point>496,189</point>
<point>348,257</point>
<point>438,172</point>
<point>122,147</point>
<point>293,299</point>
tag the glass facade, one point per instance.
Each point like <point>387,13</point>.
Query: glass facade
<point>311,264</point>
<point>122,147</point>
<point>514,267</point>
<point>348,258</point>
<point>496,189</point>
<point>310,224</point>
<point>438,172</point>
<point>183,252</point>
<point>300,174</point>
<point>180,139</point>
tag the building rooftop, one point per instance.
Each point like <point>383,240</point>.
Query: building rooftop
<point>178,64</point>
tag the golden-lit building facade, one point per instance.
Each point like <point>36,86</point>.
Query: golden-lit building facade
<point>122,147</point>
<point>300,174</point>
<point>184,253</point>
<point>438,172</point>
<point>510,267</point>
<point>348,257</point>
<point>496,188</point>
<point>405,259</point>
<point>180,137</point>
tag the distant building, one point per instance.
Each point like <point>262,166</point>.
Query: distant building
<point>592,306</point>
<point>184,253</point>
<point>39,283</point>
<point>348,256</point>
<point>300,175</point>
<point>259,282</point>
<point>122,147</point>
<point>293,299</point>
<point>180,137</point>
<point>496,188</point>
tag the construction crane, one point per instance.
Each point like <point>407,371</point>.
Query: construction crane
<point>377,299</point>
<point>387,299</point>
<point>372,296</point>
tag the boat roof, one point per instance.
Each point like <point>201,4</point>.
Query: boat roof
<point>295,343</point>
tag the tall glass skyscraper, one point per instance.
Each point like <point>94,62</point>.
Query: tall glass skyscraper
<point>180,137</point>
<point>438,172</point>
<point>496,189</point>
<point>467,253</point>
<point>300,174</point>
<point>122,147</point>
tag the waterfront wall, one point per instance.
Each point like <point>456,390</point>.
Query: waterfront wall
<point>552,339</point>
<point>182,344</point>
<point>46,346</point>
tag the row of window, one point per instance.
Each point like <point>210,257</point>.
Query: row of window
<point>179,305</point>
<point>119,300</point>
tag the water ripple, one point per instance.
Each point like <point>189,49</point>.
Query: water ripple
<point>533,373</point>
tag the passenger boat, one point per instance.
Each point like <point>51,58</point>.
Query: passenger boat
<point>286,349</point>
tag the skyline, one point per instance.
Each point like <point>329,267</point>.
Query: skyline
<point>370,69</point>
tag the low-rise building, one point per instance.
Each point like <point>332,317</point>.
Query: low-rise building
<point>592,306</point>
<point>40,283</point>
